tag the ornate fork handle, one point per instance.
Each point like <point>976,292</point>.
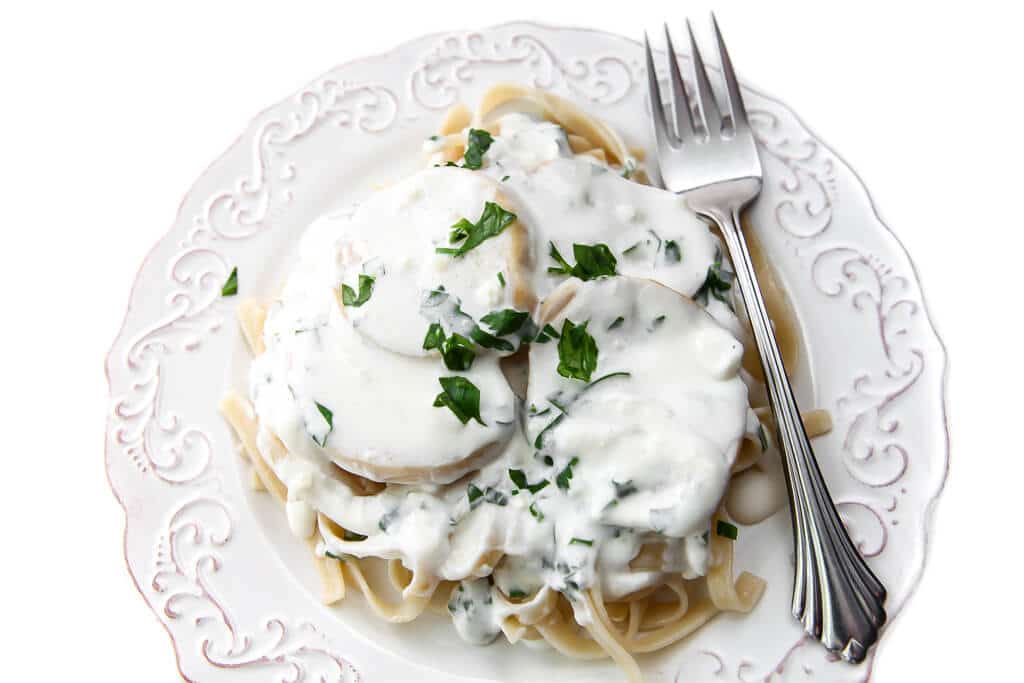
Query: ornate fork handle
<point>835,595</point>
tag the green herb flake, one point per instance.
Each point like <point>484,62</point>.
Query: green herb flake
<point>230,287</point>
<point>459,231</point>
<point>492,222</point>
<point>762,437</point>
<point>726,530</point>
<point>673,254</point>
<point>435,337</point>
<point>716,284</point>
<point>516,594</point>
<point>629,169</point>
<point>592,261</point>
<point>349,296</point>
<point>547,333</point>
<point>565,476</point>
<point>329,418</point>
<point>353,536</point>
<point>461,397</point>
<point>616,323</point>
<point>563,266</point>
<point>457,353</point>
<point>518,478</point>
<point>539,486</point>
<point>581,541</point>
<point>331,555</point>
<point>577,352</point>
<point>657,322</point>
<point>501,278</point>
<point>479,141</point>
<point>535,511</point>
<point>474,494</point>
<point>489,341</point>
<point>508,321</point>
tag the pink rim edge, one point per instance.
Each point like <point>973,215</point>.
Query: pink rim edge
<point>932,503</point>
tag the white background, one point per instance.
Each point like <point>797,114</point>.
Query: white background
<point>110,112</point>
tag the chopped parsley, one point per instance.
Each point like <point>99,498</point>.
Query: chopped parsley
<point>629,169</point>
<point>331,555</point>
<point>479,141</point>
<point>716,284</point>
<point>581,541</point>
<point>349,296</point>
<point>508,321</point>
<point>435,337</point>
<point>491,223</point>
<point>230,287</point>
<point>456,351</point>
<point>461,397</point>
<point>329,418</point>
<point>353,536</point>
<point>515,593</point>
<point>577,351</point>
<point>592,261</point>
<point>616,323</point>
<point>726,530</point>
<point>474,494</point>
<point>565,476</point>
<point>673,254</point>
<point>459,231</point>
<point>518,478</point>
<point>504,178</point>
<point>489,341</point>
<point>535,511</point>
<point>547,333</point>
<point>657,322</point>
<point>501,278</point>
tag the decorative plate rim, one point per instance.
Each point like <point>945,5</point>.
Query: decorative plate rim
<point>931,503</point>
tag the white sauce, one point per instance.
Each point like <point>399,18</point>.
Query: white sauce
<point>635,459</point>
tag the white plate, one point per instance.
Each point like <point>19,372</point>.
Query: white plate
<point>215,561</point>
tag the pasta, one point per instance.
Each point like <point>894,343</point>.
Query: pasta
<point>584,621</point>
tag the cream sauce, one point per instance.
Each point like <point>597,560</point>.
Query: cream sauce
<point>642,456</point>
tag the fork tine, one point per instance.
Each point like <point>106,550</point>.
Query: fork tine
<point>737,112</point>
<point>710,116</point>
<point>680,102</point>
<point>654,93</point>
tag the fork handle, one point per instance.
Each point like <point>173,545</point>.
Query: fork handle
<point>835,595</point>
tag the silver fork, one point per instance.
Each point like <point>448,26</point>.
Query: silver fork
<point>712,160</point>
